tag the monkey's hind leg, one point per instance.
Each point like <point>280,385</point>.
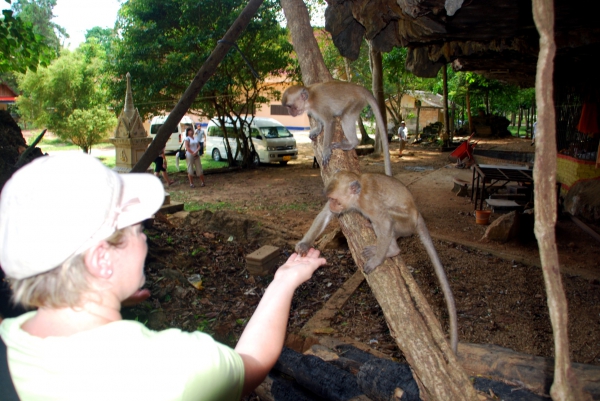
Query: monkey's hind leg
<point>386,245</point>
<point>314,132</point>
<point>349,127</point>
<point>371,250</point>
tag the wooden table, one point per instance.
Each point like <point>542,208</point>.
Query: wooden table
<point>491,174</point>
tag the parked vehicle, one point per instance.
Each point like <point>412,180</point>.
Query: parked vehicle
<point>272,141</point>
<point>178,134</point>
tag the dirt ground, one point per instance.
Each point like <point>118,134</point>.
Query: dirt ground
<point>499,288</point>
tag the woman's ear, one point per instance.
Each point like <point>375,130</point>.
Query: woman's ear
<point>98,260</point>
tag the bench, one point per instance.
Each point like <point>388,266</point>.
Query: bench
<point>503,205</point>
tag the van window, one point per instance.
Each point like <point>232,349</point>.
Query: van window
<point>155,127</point>
<point>254,133</point>
<point>275,132</point>
<point>214,130</point>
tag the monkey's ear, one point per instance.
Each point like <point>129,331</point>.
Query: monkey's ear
<point>355,187</point>
<point>304,94</point>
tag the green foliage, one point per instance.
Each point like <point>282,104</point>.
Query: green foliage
<point>398,81</point>
<point>164,44</point>
<point>52,94</point>
<point>22,48</point>
<point>39,14</point>
<point>89,127</point>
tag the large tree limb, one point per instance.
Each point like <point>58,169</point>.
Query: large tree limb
<point>206,71</point>
<point>566,385</point>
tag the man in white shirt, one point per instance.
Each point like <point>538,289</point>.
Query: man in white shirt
<point>200,135</point>
<point>403,137</point>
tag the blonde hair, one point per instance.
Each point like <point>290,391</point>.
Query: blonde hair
<point>62,286</point>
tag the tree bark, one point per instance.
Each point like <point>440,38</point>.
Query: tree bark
<point>206,71</point>
<point>310,58</point>
<point>566,385</point>
<point>409,316</point>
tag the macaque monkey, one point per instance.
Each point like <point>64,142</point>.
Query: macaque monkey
<point>391,209</point>
<point>325,101</point>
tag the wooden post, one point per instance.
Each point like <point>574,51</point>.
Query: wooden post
<point>565,386</point>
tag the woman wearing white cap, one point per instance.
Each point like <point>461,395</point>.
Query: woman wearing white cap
<point>72,245</point>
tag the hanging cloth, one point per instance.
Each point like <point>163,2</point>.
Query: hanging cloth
<point>588,122</point>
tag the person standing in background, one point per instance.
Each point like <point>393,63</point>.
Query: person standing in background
<point>160,165</point>
<point>201,137</point>
<point>192,157</point>
<point>403,137</point>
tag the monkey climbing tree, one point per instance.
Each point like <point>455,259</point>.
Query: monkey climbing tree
<point>410,318</point>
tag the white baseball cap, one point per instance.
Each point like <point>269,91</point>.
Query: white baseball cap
<point>58,206</point>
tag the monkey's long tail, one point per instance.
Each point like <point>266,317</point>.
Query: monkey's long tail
<point>382,128</point>
<point>441,275</point>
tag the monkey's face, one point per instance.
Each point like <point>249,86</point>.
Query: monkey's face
<point>294,99</point>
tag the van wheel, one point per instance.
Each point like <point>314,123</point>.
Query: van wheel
<point>255,159</point>
<point>283,163</point>
<point>216,155</point>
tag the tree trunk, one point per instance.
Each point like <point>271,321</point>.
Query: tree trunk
<point>409,316</point>
<point>566,385</point>
<point>527,123</point>
<point>418,106</point>
<point>446,111</point>
<point>468,99</point>
<point>206,71</point>
<point>365,139</point>
<point>377,89</point>
<point>519,124</point>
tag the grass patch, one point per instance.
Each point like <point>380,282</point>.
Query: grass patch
<point>207,164</point>
<point>194,206</point>
<point>57,145</point>
<point>513,131</point>
<point>108,161</point>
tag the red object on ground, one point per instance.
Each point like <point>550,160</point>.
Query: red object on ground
<point>465,149</point>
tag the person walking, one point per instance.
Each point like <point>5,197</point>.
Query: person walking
<point>160,165</point>
<point>403,137</point>
<point>192,157</point>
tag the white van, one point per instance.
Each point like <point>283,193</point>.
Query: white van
<point>272,141</point>
<point>178,134</point>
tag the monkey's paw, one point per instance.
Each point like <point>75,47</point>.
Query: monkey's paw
<point>369,251</point>
<point>370,266</point>
<point>302,248</point>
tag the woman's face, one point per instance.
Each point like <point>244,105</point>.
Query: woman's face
<point>189,132</point>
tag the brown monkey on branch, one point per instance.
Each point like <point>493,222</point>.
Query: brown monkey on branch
<point>327,100</point>
<point>391,209</point>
